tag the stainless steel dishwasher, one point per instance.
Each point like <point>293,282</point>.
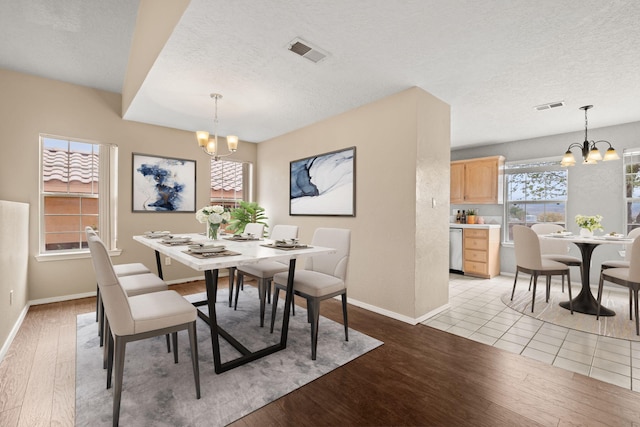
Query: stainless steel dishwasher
<point>455,250</point>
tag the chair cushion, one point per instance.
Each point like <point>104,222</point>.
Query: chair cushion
<point>616,264</point>
<point>122,270</point>
<point>311,283</point>
<point>159,310</point>
<point>548,264</point>
<point>565,259</point>
<point>139,284</point>
<point>263,270</point>
<point>618,273</point>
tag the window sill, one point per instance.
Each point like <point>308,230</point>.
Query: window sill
<point>63,256</point>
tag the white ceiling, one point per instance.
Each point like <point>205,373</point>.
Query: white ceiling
<point>492,61</point>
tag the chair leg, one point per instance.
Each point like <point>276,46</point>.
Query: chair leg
<point>313,307</point>
<point>599,298</point>
<point>168,344</point>
<point>514,284</point>
<point>106,332</point>
<point>535,284</point>
<point>111,346</point>
<point>174,335</point>
<point>262,292</point>
<point>97,303</point>
<point>268,282</point>
<point>569,287</point>
<point>563,283</point>
<point>548,283</point>
<point>193,343</point>
<point>344,317</point>
<point>274,306</point>
<point>635,297</point>
<point>239,284</point>
<point>630,305</point>
<point>101,320</point>
<point>120,346</point>
<point>530,280</point>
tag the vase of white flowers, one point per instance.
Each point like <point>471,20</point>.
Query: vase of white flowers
<point>213,216</point>
<point>588,224</point>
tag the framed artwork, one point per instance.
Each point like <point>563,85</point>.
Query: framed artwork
<point>324,184</point>
<point>163,184</point>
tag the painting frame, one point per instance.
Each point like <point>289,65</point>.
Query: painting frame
<point>170,180</point>
<point>323,184</point>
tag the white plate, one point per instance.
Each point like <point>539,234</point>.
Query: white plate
<point>615,237</point>
<point>156,234</point>
<point>563,234</point>
<point>177,240</point>
<point>210,250</point>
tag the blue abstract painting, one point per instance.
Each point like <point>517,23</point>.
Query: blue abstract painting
<point>162,184</point>
<point>323,184</point>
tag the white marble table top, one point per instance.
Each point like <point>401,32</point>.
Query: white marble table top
<point>250,252</point>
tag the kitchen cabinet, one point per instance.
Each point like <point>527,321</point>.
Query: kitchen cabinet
<point>477,181</point>
<point>481,252</point>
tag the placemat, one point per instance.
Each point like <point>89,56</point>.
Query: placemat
<point>212,254</point>
<point>282,248</point>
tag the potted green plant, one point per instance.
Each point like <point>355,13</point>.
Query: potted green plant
<point>471,216</point>
<point>244,214</point>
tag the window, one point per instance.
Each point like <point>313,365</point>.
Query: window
<point>228,180</point>
<point>631,159</point>
<point>536,192</point>
<point>76,191</point>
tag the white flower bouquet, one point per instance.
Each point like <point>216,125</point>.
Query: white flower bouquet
<point>590,223</point>
<point>213,216</point>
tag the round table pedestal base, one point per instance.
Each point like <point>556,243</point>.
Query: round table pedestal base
<point>587,308</point>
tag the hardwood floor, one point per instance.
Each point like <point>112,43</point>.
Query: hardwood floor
<point>420,376</point>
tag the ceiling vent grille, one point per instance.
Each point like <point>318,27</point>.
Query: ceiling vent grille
<point>304,49</point>
<point>549,106</point>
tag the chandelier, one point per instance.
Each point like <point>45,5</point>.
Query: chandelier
<point>590,153</point>
<point>210,144</point>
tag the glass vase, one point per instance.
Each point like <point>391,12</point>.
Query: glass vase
<point>212,231</point>
<point>585,232</point>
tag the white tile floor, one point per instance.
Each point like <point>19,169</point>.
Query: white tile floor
<point>478,313</point>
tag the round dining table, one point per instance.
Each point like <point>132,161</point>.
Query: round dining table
<point>585,302</point>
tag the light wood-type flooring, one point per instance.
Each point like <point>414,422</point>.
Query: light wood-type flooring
<point>420,376</point>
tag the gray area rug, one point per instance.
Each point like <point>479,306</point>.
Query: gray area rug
<point>157,392</point>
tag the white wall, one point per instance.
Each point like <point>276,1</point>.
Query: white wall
<point>399,262</point>
<point>593,189</point>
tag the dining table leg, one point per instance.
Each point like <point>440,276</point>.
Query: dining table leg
<point>585,302</point>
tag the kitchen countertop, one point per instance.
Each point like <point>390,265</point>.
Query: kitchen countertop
<point>482,226</point>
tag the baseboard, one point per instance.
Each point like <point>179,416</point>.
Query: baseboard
<point>13,333</point>
<point>395,315</point>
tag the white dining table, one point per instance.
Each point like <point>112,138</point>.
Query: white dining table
<point>247,252</point>
<point>585,302</point>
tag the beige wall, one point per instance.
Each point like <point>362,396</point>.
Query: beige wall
<point>32,105</point>
<point>399,253</point>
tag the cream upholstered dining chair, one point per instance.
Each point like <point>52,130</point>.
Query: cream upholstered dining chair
<point>323,277</point>
<point>255,229</point>
<point>626,276</point>
<point>138,317</point>
<point>529,260</point>
<point>122,270</point>
<point>263,271</point>
<point>557,249</point>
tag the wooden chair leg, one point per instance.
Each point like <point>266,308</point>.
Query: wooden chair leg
<point>630,304</point>
<point>635,297</point>
<point>535,284</point>
<point>599,297</point>
<point>262,291</point>
<point>174,335</point>
<point>548,286</point>
<point>569,287</point>
<point>239,284</point>
<point>120,345</point>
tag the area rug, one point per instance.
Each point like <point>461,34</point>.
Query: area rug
<point>618,326</point>
<point>157,392</point>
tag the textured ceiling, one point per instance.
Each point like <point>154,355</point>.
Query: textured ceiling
<point>492,61</point>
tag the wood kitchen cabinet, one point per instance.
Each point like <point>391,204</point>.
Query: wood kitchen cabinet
<point>481,252</point>
<point>477,181</point>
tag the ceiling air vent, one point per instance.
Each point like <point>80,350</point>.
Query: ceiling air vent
<point>549,106</point>
<point>307,51</point>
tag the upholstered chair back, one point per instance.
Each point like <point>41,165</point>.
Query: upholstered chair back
<point>629,247</point>
<point>255,229</point>
<point>332,264</point>
<point>634,265</point>
<point>115,301</point>
<point>281,231</point>
<point>527,246</point>
<point>548,246</point>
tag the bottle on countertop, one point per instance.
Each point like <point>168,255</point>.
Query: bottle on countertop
<point>463,218</point>
<point>458,217</point>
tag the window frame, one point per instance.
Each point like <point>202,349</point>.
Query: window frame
<point>247,184</point>
<point>629,153</point>
<point>107,200</point>
<point>530,165</point>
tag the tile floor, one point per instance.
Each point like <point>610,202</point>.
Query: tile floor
<point>478,313</point>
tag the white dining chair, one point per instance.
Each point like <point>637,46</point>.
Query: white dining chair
<point>138,317</point>
<point>323,277</point>
<point>529,260</point>
<point>263,272</point>
<point>255,229</point>
<point>628,277</point>
<point>557,249</point>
